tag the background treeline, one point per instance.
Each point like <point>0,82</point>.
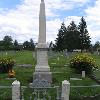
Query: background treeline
<point>8,44</point>
<point>73,37</point>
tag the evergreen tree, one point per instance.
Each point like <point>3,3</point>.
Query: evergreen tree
<point>72,37</point>
<point>26,45</point>
<point>51,45</point>
<point>7,42</point>
<point>59,42</point>
<point>32,46</point>
<point>29,45</point>
<point>84,35</point>
<point>96,45</point>
<point>1,46</point>
<point>16,45</point>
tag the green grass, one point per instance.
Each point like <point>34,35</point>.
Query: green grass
<point>21,57</point>
<point>59,71</point>
<point>24,58</point>
<point>97,60</point>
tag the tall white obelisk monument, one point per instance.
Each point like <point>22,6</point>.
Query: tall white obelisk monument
<point>42,69</point>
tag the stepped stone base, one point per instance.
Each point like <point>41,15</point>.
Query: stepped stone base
<point>43,76</point>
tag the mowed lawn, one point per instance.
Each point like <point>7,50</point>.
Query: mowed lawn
<point>59,65</point>
<point>22,73</point>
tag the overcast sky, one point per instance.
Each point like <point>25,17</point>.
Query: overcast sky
<point>19,18</point>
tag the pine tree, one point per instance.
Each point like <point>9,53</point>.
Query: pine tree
<point>51,45</point>
<point>26,45</point>
<point>59,44</point>
<point>29,45</point>
<point>7,42</point>
<point>96,46</point>
<point>72,37</point>
<point>32,46</point>
<point>84,35</point>
<point>16,45</point>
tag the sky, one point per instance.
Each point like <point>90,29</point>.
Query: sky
<point>20,18</point>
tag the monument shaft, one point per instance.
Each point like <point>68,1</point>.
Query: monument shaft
<point>42,24</point>
<point>42,69</point>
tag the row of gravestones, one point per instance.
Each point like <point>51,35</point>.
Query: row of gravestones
<point>16,90</point>
<point>64,53</point>
<point>68,54</point>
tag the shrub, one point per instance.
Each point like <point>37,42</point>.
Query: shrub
<point>6,64</point>
<point>83,62</point>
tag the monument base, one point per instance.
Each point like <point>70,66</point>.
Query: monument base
<point>43,76</point>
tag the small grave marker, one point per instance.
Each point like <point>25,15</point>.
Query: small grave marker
<point>65,65</point>
<point>16,90</point>
<point>58,58</point>
<point>98,51</point>
<point>75,79</point>
<point>6,53</point>
<point>83,74</point>
<point>53,63</point>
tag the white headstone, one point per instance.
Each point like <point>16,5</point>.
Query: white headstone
<point>65,52</point>
<point>65,90</point>
<point>58,58</point>
<point>16,90</point>
<point>6,53</point>
<point>98,51</point>
<point>83,74</point>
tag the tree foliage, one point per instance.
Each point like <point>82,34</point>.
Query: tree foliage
<point>73,37</point>
<point>51,45</point>
<point>7,42</point>
<point>96,45</point>
<point>16,45</point>
<point>59,42</point>
<point>29,45</point>
<point>83,62</point>
<point>32,45</point>
<point>84,35</point>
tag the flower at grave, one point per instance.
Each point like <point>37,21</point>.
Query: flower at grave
<point>11,73</point>
<point>6,63</point>
<point>83,62</point>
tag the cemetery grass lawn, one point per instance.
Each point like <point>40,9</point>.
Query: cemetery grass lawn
<point>60,70</point>
<point>97,61</point>
<point>79,92</point>
<point>21,57</point>
<point>22,74</point>
<point>67,73</point>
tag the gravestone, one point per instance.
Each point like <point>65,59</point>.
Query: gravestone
<point>65,52</point>
<point>42,69</point>
<point>16,90</point>
<point>58,58</point>
<point>6,53</point>
<point>65,90</point>
<point>83,74</point>
<point>98,51</point>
